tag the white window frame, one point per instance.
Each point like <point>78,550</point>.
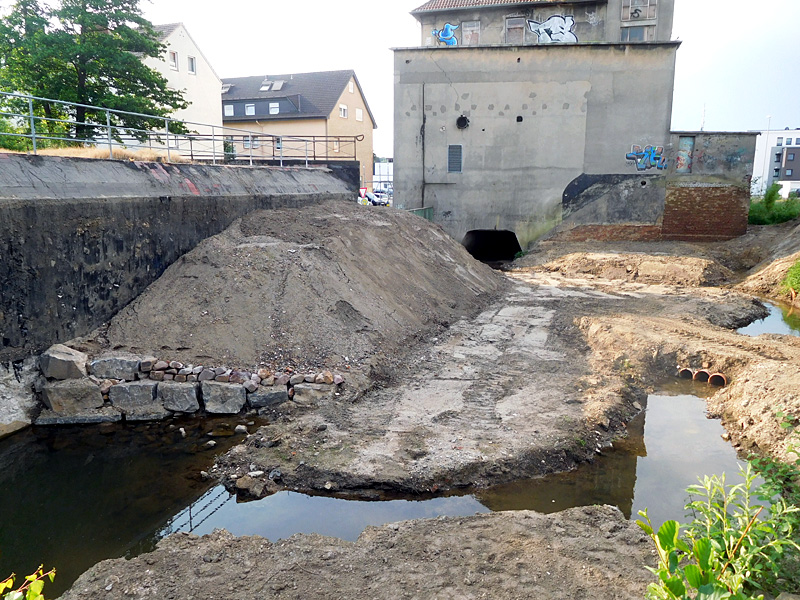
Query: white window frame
<point>472,29</point>
<point>227,110</point>
<point>359,114</point>
<point>246,142</point>
<point>191,65</point>
<point>274,108</point>
<point>172,59</point>
<point>336,145</point>
<point>351,87</point>
<point>250,110</point>
<point>343,111</point>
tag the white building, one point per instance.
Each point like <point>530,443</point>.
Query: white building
<point>777,161</point>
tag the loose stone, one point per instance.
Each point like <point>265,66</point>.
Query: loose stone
<point>157,375</point>
<point>240,429</point>
<point>295,379</point>
<point>146,364</point>
<point>161,365</point>
<point>62,362</point>
<point>176,365</point>
<point>206,375</point>
<point>251,386</point>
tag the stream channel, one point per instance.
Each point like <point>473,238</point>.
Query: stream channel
<point>73,496</point>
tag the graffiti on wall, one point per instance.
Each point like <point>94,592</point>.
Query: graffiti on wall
<point>683,158</point>
<point>648,157</point>
<point>556,29</point>
<point>446,35</point>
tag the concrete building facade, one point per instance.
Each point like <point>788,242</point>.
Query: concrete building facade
<point>777,160</point>
<point>498,129</point>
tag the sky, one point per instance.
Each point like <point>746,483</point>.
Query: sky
<point>733,69</point>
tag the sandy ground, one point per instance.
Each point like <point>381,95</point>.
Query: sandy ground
<point>458,378</point>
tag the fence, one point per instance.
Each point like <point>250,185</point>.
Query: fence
<point>44,121</point>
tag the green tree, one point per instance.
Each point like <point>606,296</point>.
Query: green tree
<point>87,52</point>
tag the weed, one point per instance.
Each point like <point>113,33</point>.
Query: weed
<point>791,283</point>
<point>762,213</point>
<point>30,590</point>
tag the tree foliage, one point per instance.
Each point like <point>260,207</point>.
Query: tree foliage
<point>87,52</point>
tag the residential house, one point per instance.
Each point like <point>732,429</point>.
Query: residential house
<point>539,116</point>
<point>322,116</point>
<point>777,161</point>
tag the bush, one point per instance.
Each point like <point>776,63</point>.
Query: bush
<point>791,283</point>
<point>779,212</point>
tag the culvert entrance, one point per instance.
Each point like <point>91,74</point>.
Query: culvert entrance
<point>492,245</point>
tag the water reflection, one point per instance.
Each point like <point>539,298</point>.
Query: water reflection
<point>782,319</point>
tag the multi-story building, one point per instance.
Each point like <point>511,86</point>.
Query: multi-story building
<point>531,115</point>
<point>326,111</point>
<point>777,161</point>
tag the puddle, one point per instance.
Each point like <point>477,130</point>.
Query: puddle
<point>72,497</point>
<point>781,319</point>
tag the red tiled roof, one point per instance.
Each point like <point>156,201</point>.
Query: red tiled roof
<point>448,4</point>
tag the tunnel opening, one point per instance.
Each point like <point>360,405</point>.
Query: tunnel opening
<point>492,245</point>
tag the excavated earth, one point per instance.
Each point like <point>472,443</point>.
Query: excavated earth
<point>456,377</point>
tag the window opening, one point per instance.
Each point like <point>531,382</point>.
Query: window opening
<point>274,108</point>
<point>228,108</point>
<point>359,114</point>
<point>173,60</point>
<point>471,33</point>
<point>192,65</point>
<point>250,109</point>
<point>343,111</point>
<point>515,31</point>
<point>454,158</point>
<point>637,10</point>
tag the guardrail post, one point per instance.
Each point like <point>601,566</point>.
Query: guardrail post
<point>306,154</point>
<point>250,139</point>
<point>108,129</point>
<point>214,145</point>
<point>33,124</point>
<point>166,128</point>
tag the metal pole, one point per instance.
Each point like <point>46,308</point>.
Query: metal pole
<point>108,129</point>
<point>166,128</point>
<point>33,124</point>
<point>250,139</point>
<point>281,151</point>
<point>306,154</point>
<point>213,145</point>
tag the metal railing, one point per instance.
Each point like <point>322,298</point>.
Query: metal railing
<point>178,140</point>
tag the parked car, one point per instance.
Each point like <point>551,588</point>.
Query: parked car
<point>376,199</point>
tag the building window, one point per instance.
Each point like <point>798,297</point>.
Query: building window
<point>515,31</point>
<point>226,87</point>
<point>778,157</point>
<point>246,142</point>
<point>343,111</point>
<point>173,60</point>
<point>250,109</point>
<point>644,33</point>
<point>790,156</point>
<point>359,114</point>
<point>788,141</point>
<point>278,141</point>
<point>789,172</point>
<point>274,108</point>
<point>636,10</point>
<point>335,145</point>
<point>780,141</point>
<point>471,33</point>
<point>454,158</point>
<point>351,87</point>
<point>192,65</point>
<point>228,110</point>
<point>776,173</point>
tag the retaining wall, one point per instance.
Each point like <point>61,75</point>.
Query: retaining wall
<point>81,238</point>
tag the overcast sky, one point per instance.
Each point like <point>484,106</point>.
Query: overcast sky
<point>734,61</point>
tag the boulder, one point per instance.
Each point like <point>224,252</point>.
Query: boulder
<point>116,367</point>
<point>265,397</point>
<point>17,401</point>
<point>311,392</point>
<point>223,398</point>
<point>179,397</point>
<point>106,414</point>
<point>62,362</point>
<point>138,401</point>
<point>72,396</point>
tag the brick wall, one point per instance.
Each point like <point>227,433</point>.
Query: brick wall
<point>705,213</point>
<point>604,233</point>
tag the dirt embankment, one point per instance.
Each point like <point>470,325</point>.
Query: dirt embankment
<point>458,378</point>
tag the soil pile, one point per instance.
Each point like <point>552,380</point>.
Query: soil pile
<point>589,552</point>
<point>325,286</point>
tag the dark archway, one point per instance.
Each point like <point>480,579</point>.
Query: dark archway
<point>492,245</point>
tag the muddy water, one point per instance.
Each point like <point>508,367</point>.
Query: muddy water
<point>782,319</point>
<point>72,497</point>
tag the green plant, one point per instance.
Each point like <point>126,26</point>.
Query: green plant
<point>729,550</point>
<point>30,590</point>
<point>771,195</point>
<point>791,283</point>
<point>778,212</point>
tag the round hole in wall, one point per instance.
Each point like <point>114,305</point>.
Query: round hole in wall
<point>518,59</point>
<point>643,183</point>
<point>462,122</point>
<point>519,119</point>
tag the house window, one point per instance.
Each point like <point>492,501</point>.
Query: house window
<point>454,158</point>
<point>778,157</point>
<point>359,114</point>
<point>246,142</point>
<point>256,142</point>
<point>471,33</point>
<point>637,10</point>
<point>250,109</point>
<point>776,173</point>
<point>351,87</point>
<point>789,172</point>
<point>343,111</point>
<point>173,60</point>
<point>228,108</point>
<point>788,141</point>
<point>335,145</point>
<point>515,31</point>
<point>274,108</point>
<point>645,33</point>
<point>192,65</point>
<point>278,141</point>
<point>780,141</point>
<point>790,156</point>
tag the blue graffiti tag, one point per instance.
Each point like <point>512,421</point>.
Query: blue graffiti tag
<point>651,156</point>
<point>447,34</point>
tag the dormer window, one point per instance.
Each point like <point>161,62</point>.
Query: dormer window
<point>278,85</point>
<point>265,86</point>
<point>226,87</point>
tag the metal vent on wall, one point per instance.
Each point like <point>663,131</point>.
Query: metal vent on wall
<point>454,158</point>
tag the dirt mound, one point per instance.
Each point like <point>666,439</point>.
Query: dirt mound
<point>327,285</point>
<point>589,552</point>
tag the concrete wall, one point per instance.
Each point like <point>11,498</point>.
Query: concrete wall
<point>79,239</point>
<point>540,117</point>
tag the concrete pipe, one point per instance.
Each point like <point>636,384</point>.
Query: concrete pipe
<point>718,379</point>
<point>686,373</point>
<point>702,375</point>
